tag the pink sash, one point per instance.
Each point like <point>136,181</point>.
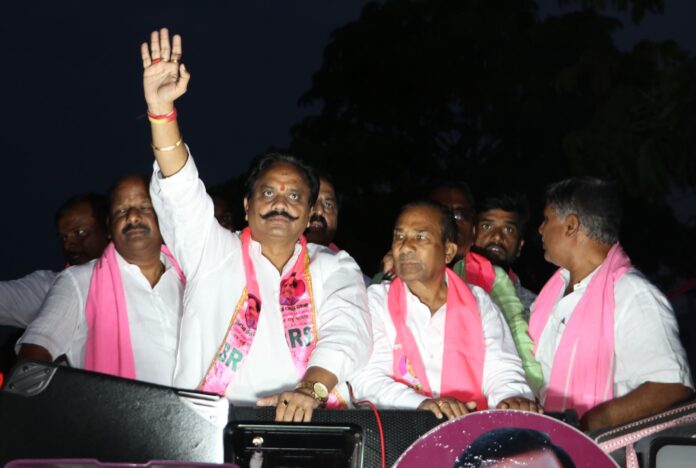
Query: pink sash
<point>297,311</point>
<point>479,271</point>
<point>108,349</point>
<point>462,366</point>
<point>582,375</point>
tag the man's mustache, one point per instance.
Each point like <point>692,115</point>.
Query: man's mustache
<point>495,244</point>
<point>274,213</point>
<point>317,218</point>
<point>405,258</point>
<point>130,227</point>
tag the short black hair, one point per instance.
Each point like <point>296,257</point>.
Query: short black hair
<point>498,444</point>
<point>260,166</point>
<point>447,221</point>
<point>594,201</point>
<point>513,202</point>
<point>97,201</point>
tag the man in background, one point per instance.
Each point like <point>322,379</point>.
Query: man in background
<point>500,228</point>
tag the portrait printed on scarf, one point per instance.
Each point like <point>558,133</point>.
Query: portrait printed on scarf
<point>291,290</point>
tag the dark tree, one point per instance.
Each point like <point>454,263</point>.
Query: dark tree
<point>486,91</point>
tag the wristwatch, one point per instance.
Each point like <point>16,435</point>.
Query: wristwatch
<point>318,389</point>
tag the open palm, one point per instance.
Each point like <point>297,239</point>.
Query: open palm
<point>165,79</point>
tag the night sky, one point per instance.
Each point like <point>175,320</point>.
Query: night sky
<point>74,113</point>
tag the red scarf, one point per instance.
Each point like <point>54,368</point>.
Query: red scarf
<point>479,271</point>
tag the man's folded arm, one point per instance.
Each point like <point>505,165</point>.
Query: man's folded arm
<point>344,333</point>
<point>647,399</point>
<point>32,352</point>
<point>52,332</point>
<point>375,383</point>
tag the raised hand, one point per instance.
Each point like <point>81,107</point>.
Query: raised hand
<point>165,78</point>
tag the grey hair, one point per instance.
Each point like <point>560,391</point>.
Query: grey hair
<point>595,202</point>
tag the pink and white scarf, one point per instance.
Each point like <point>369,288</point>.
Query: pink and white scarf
<point>582,375</point>
<point>108,349</point>
<point>462,367</point>
<point>298,315</point>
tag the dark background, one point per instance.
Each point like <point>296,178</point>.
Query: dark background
<point>73,107</point>
<point>74,115</point>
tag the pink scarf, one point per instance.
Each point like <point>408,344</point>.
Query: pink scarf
<point>108,349</point>
<point>462,366</point>
<point>297,311</point>
<point>582,375</point>
<point>479,271</point>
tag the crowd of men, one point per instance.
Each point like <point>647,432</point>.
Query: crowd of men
<point>159,287</point>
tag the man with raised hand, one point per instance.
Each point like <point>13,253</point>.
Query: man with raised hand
<point>439,343</point>
<point>295,350</point>
<point>606,338</point>
<point>119,314</point>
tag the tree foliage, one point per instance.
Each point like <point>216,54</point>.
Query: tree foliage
<point>638,8</point>
<point>486,91</point>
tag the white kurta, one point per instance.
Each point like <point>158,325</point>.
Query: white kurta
<point>211,257</point>
<point>21,299</point>
<point>153,315</point>
<point>646,335</point>
<point>503,376</point>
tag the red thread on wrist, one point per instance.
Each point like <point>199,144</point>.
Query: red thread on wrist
<point>162,118</point>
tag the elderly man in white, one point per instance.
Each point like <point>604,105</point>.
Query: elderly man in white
<point>118,314</point>
<point>607,340</point>
<point>439,343</point>
<point>239,337</point>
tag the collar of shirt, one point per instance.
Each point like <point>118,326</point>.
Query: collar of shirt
<point>257,254</point>
<point>582,284</point>
<point>417,306</point>
<point>135,272</point>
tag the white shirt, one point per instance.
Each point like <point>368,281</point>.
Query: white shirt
<point>21,299</point>
<point>211,257</point>
<point>646,335</point>
<point>153,315</point>
<point>503,376</point>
